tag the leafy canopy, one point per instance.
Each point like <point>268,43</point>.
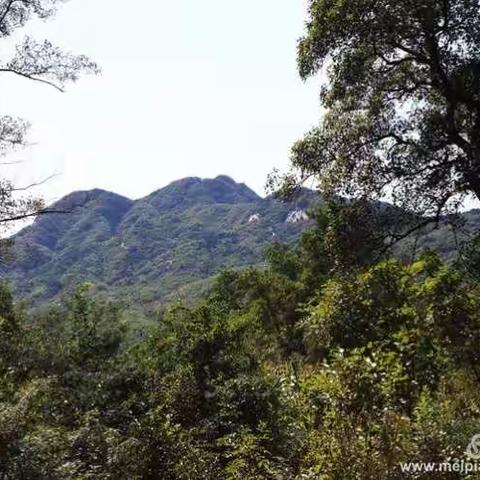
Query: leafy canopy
<point>402,100</point>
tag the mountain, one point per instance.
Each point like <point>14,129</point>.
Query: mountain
<point>154,248</point>
<point>167,244</point>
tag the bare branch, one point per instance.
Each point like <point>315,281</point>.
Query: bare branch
<point>35,184</point>
<point>31,77</point>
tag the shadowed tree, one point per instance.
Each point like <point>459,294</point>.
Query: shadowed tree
<point>402,101</point>
<point>38,61</point>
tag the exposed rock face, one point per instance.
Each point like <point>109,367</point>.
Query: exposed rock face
<point>297,216</point>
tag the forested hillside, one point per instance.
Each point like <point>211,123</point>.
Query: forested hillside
<point>149,249</point>
<point>171,243</point>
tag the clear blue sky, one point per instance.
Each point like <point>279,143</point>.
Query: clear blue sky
<point>188,87</point>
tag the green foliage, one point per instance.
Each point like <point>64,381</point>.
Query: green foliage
<point>470,260</point>
<point>301,369</point>
<point>401,101</point>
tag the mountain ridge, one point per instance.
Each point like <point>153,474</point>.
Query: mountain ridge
<point>168,243</point>
<point>147,249</point>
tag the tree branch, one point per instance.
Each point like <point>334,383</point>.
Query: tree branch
<point>31,77</point>
<point>24,216</point>
<point>35,184</point>
<point>6,11</point>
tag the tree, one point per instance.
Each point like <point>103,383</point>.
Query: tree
<point>41,62</point>
<point>402,101</point>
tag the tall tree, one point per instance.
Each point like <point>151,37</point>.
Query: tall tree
<point>38,61</point>
<point>402,100</point>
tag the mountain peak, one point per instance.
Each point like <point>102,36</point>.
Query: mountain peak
<point>92,207</point>
<point>197,191</point>
<point>225,179</point>
<point>80,198</point>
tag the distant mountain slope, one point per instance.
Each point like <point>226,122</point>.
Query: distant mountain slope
<point>151,248</point>
<point>166,244</point>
